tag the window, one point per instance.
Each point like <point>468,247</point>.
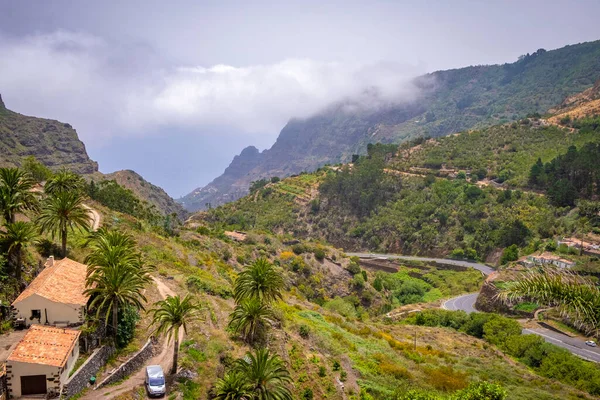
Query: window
<point>36,314</point>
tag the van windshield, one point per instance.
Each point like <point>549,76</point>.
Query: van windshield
<point>158,381</point>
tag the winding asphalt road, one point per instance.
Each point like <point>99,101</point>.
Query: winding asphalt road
<point>466,303</point>
<point>481,267</point>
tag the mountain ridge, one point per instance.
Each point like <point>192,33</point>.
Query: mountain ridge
<point>56,144</point>
<point>451,101</point>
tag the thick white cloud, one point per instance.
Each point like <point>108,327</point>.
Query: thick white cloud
<point>106,89</point>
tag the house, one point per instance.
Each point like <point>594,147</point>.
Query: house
<point>55,296</point>
<point>589,248</point>
<point>41,361</point>
<point>547,259</point>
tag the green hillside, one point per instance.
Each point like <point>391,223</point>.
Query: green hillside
<point>437,197</point>
<point>448,102</point>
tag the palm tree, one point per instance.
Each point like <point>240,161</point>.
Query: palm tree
<point>250,317</point>
<point>110,247</point>
<point>260,280</point>
<point>64,181</point>
<point>233,386</point>
<point>172,314</point>
<point>17,236</point>
<point>112,286</point>
<point>572,294</point>
<point>61,212</point>
<point>16,193</point>
<point>266,375</point>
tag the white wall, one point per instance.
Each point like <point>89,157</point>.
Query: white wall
<point>23,369</point>
<point>56,311</point>
<point>19,369</point>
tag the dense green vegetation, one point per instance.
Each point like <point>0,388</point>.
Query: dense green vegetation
<point>545,358</point>
<point>572,175</point>
<point>503,153</point>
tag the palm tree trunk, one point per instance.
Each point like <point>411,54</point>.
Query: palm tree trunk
<point>175,351</point>
<point>115,319</point>
<point>64,243</point>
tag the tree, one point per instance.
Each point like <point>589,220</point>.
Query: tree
<point>64,181</point>
<point>511,253</point>
<point>266,375</point>
<point>233,386</point>
<point>562,193</point>
<point>260,280</point>
<point>62,212</point>
<point>250,318</point>
<point>572,294</point>
<point>498,329</point>
<point>172,314</point>
<point>16,193</point>
<point>110,247</point>
<point>111,286</point>
<point>17,236</point>
<point>36,169</point>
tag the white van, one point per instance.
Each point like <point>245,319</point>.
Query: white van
<point>155,381</point>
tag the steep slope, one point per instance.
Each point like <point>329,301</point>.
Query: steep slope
<point>450,101</point>
<point>418,198</point>
<point>145,190</point>
<point>52,142</point>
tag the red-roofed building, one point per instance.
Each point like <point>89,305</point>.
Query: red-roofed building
<point>55,296</point>
<point>41,361</point>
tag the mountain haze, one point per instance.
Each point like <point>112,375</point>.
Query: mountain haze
<point>450,101</point>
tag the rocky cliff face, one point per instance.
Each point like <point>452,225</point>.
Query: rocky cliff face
<point>230,186</point>
<point>448,102</point>
<point>52,142</point>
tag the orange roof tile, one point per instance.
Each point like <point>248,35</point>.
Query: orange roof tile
<point>63,282</point>
<point>45,345</point>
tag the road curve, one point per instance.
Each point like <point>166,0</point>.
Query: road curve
<point>481,267</point>
<point>466,303</point>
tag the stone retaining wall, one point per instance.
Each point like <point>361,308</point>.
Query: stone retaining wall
<point>130,366</point>
<point>81,378</point>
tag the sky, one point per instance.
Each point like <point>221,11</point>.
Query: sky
<point>173,90</point>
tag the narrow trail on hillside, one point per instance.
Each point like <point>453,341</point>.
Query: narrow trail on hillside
<point>94,218</point>
<point>164,359</point>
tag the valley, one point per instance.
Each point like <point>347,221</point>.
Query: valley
<point>446,248</point>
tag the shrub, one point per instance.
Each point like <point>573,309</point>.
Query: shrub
<point>378,284</point>
<point>481,391</point>
<point>353,267</point>
<point>322,371</point>
<point>299,248</point>
<point>498,329</point>
<point>364,275</point>
<point>128,318</point>
<point>394,370</point>
<point>343,376</point>
<point>307,394</point>
<point>446,379</point>
<point>304,331</point>
<point>511,253</point>
<point>336,365</point>
<point>319,254</point>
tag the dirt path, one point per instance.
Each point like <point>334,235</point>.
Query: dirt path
<point>94,217</point>
<point>164,359</point>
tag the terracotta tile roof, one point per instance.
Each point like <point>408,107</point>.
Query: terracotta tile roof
<point>63,282</point>
<point>45,345</point>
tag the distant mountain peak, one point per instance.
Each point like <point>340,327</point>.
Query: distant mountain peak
<point>2,106</point>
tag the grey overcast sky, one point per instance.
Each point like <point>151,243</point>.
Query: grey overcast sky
<point>175,89</point>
